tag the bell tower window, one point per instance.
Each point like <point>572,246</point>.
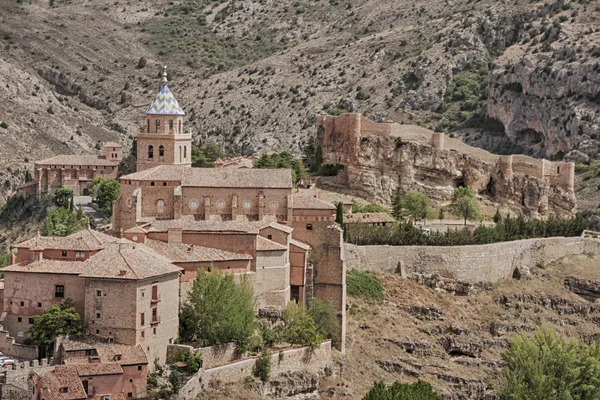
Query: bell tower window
<point>185,152</point>
<point>161,151</point>
<point>157,125</point>
<point>180,126</point>
<point>170,125</point>
<point>148,129</point>
<point>150,151</point>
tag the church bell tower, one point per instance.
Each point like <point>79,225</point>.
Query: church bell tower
<point>163,141</point>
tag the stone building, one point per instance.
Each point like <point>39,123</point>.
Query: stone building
<point>373,219</point>
<point>74,171</point>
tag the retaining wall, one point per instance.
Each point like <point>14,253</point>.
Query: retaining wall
<point>296,360</point>
<point>477,263</point>
<point>212,356</point>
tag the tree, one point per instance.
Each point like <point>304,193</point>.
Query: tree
<point>28,177</point>
<point>550,367</point>
<point>497,217</point>
<point>299,326</point>
<point>417,205</point>
<point>63,222</point>
<point>397,204</point>
<point>205,156</point>
<point>326,319</point>
<point>465,204</point>
<point>141,62</point>
<point>339,213</point>
<point>62,197</point>
<point>402,391</point>
<point>60,319</point>
<point>218,310</point>
<point>107,194</point>
<point>94,186</point>
<point>262,366</point>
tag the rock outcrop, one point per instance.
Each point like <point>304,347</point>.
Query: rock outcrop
<point>378,157</point>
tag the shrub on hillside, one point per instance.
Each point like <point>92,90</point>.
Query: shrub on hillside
<point>362,284</point>
<point>402,391</point>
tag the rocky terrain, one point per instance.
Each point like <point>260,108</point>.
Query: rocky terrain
<point>253,75</point>
<point>451,334</point>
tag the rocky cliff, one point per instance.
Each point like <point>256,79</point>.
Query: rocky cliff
<point>377,158</point>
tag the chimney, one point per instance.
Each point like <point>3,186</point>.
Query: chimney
<point>13,258</point>
<point>191,248</point>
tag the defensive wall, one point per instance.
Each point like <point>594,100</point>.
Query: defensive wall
<point>339,137</point>
<point>10,347</point>
<point>474,263</point>
<point>302,359</point>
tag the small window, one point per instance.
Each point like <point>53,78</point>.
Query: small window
<point>79,254</point>
<point>164,183</point>
<point>270,237</point>
<point>64,253</point>
<point>309,227</point>
<point>220,204</point>
<point>59,291</point>
<point>22,304</point>
<point>99,293</point>
<point>170,124</point>
<point>19,319</point>
<point>154,315</point>
<point>39,305</point>
<point>30,321</point>
<point>558,170</point>
<point>273,205</point>
<point>194,204</point>
<point>143,335</point>
<point>151,183</point>
<point>130,395</point>
<point>98,315</point>
<point>142,319</point>
<point>139,367</point>
<point>154,331</point>
<point>97,331</point>
<point>150,151</point>
<point>161,151</point>
<point>247,204</point>
<point>157,125</point>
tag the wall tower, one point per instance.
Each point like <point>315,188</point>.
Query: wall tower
<point>162,140</point>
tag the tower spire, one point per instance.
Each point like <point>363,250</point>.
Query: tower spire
<point>164,78</point>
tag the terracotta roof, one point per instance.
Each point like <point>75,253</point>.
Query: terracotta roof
<point>238,178</point>
<point>136,229</point>
<point>303,201</point>
<point>62,378</point>
<point>300,244</point>
<point>98,368</point>
<point>85,240</point>
<point>128,260</point>
<point>48,267</point>
<point>190,253</point>
<point>129,355</point>
<point>263,244</point>
<point>266,223</point>
<point>159,173</point>
<point>75,159</point>
<point>368,218</point>
<point>112,144</point>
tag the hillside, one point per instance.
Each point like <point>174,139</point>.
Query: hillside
<point>254,74</point>
<point>452,341</point>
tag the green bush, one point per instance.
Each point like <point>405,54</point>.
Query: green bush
<point>402,391</point>
<point>326,319</point>
<point>362,284</point>
<point>193,361</point>
<point>299,327</point>
<point>63,222</point>
<point>262,366</point>
<point>141,62</point>
<point>3,125</point>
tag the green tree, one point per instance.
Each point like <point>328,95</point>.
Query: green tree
<point>205,156</point>
<point>60,319</point>
<point>497,217</point>
<point>402,391</point>
<point>299,326</point>
<point>262,366</point>
<point>28,177</point>
<point>218,310</point>
<point>397,204</point>
<point>417,205</point>
<point>368,208</point>
<point>550,367</point>
<point>339,213</point>
<point>62,197</point>
<point>465,204</point>
<point>63,222</point>
<point>94,186</point>
<point>107,194</point>
<point>326,319</point>
<point>141,62</point>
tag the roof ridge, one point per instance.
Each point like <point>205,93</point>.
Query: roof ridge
<point>127,262</point>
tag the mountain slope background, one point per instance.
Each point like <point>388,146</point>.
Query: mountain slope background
<point>253,75</point>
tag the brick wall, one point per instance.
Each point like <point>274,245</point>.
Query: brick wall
<point>478,263</point>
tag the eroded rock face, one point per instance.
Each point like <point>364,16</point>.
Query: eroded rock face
<point>378,158</point>
<point>588,289</point>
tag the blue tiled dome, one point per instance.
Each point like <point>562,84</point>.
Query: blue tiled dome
<point>165,104</point>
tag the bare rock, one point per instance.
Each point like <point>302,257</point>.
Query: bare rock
<point>576,157</point>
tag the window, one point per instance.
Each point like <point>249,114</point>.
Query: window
<point>164,183</point>
<point>558,170</point>
<point>160,206</point>
<point>194,204</point>
<point>139,367</point>
<point>98,315</point>
<point>39,305</point>
<point>270,237</point>
<point>273,205</point>
<point>30,321</point>
<point>309,227</point>
<point>154,315</point>
<point>170,124</point>
<point>97,331</point>
<point>99,293</point>
<point>19,319</point>
<point>150,151</point>
<point>64,253</point>
<point>79,254</point>
<point>179,126</point>
<point>22,304</point>
<point>130,395</point>
<point>157,125</point>
<point>143,334</point>
<point>154,331</point>
<point>59,291</point>
<point>184,152</point>
<point>85,386</point>
<point>247,204</point>
<point>148,126</point>
<point>142,319</point>
<point>161,151</point>
<point>151,183</point>
<point>154,292</point>
<point>220,204</point>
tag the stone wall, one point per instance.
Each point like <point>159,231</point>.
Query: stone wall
<point>302,359</point>
<point>212,356</point>
<point>9,347</point>
<point>477,263</point>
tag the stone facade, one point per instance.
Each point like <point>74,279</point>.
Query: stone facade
<point>379,157</point>
<point>467,263</point>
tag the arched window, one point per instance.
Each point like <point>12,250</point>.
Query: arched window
<point>185,152</point>
<point>157,125</point>
<point>160,206</point>
<point>161,151</point>
<point>170,125</point>
<point>179,126</point>
<point>150,151</point>
<point>179,153</point>
<point>148,120</point>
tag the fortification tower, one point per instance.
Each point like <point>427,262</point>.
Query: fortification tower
<point>163,141</point>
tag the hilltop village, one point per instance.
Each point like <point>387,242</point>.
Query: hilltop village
<point>171,220</point>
